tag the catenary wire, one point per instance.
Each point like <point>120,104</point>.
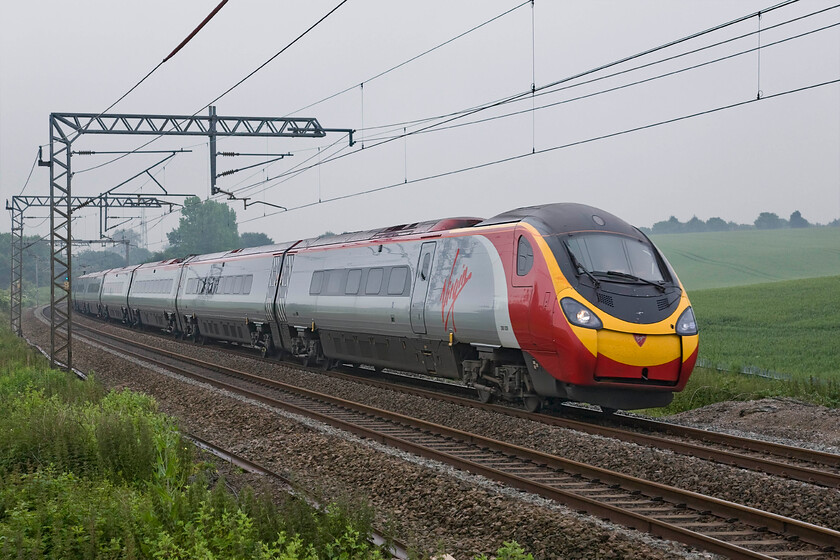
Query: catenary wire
<point>161,63</point>
<point>627,85</point>
<point>28,177</point>
<point>522,95</point>
<point>412,59</point>
<point>237,84</point>
<point>553,148</point>
<point>397,126</point>
<point>642,54</point>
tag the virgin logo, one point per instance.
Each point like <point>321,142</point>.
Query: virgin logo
<point>640,339</point>
<point>451,290</point>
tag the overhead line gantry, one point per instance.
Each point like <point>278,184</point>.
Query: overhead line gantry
<point>19,204</point>
<point>65,128</point>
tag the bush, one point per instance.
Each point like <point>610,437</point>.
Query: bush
<point>85,474</point>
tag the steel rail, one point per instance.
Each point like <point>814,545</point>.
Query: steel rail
<point>763,463</point>
<point>763,523</point>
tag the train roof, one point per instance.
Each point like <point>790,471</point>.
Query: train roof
<point>392,231</point>
<point>564,217</point>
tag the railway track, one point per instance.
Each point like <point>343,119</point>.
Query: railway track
<point>796,463</point>
<point>708,523</point>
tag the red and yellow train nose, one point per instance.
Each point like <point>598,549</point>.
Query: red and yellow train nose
<point>661,353</point>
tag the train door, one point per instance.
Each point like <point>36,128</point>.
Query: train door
<point>273,282</point>
<point>283,287</point>
<point>421,287</point>
<point>521,293</point>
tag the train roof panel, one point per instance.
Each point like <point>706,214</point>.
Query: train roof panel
<point>564,218</point>
<point>275,248</point>
<point>391,231</point>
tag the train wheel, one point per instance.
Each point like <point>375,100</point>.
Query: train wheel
<point>608,411</point>
<point>532,403</point>
<point>484,394</point>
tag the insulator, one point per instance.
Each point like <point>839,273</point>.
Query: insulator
<point>226,173</point>
<point>228,154</point>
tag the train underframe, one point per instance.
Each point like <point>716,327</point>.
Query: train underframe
<point>498,373</point>
<point>494,372</point>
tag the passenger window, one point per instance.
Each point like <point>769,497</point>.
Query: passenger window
<point>237,284</point>
<point>246,286</point>
<point>334,284</point>
<point>524,257</point>
<point>396,283</point>
<point>317,281</point>
<point>354,278</point>
<point>374,281</point>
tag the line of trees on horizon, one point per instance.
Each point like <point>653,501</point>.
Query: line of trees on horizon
<point>765,220</point>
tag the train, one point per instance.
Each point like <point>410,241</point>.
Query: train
<point>538,305</point>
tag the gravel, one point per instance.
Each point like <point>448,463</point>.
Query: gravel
<point>432,506</point>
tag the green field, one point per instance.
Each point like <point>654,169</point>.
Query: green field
<point>764,299</point>
<point>791,327</point>
<point>737,258</point>
<point>790,330</point>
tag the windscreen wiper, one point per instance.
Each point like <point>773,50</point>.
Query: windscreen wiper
<point>579,267</point>
<point>659,285</point>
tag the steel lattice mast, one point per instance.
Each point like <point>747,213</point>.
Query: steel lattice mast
<point>65,128</point>
<point>19,204</point>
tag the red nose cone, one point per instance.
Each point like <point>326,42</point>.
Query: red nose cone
<point>640,339</point>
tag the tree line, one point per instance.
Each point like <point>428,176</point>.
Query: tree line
<point>765,220</point>
<point>205,227</point>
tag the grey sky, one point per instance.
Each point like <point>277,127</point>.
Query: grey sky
<point>778,154</point>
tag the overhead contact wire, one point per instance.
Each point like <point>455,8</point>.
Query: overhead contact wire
<point>555,148</point>
<point>518,96</point>
<point>412,59</point>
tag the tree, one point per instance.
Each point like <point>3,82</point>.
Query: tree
<point>717,224</point>
<point>36,260</point>
<point>205,227</point>
<point>672,225</point>
<point>694,225</point>
<point>251,239</point>
<point>769,220</point>
<point>797,221</point>
<point>93,261</point>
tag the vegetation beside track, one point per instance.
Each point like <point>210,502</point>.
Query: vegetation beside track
<point>789,330</point>
<point>90,474</point>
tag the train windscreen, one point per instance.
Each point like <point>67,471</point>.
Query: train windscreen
<point>611,255</point>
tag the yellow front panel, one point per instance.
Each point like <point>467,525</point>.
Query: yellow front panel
<point>624,348</point>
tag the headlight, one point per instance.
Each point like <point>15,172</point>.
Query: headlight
<point>686,324</point>
<point>579,315</point>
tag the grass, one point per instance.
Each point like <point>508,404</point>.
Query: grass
<point>89,474</point>
<point>737,258</point>
<point>789,328</point>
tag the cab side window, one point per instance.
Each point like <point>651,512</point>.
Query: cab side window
<point>524,257</point>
